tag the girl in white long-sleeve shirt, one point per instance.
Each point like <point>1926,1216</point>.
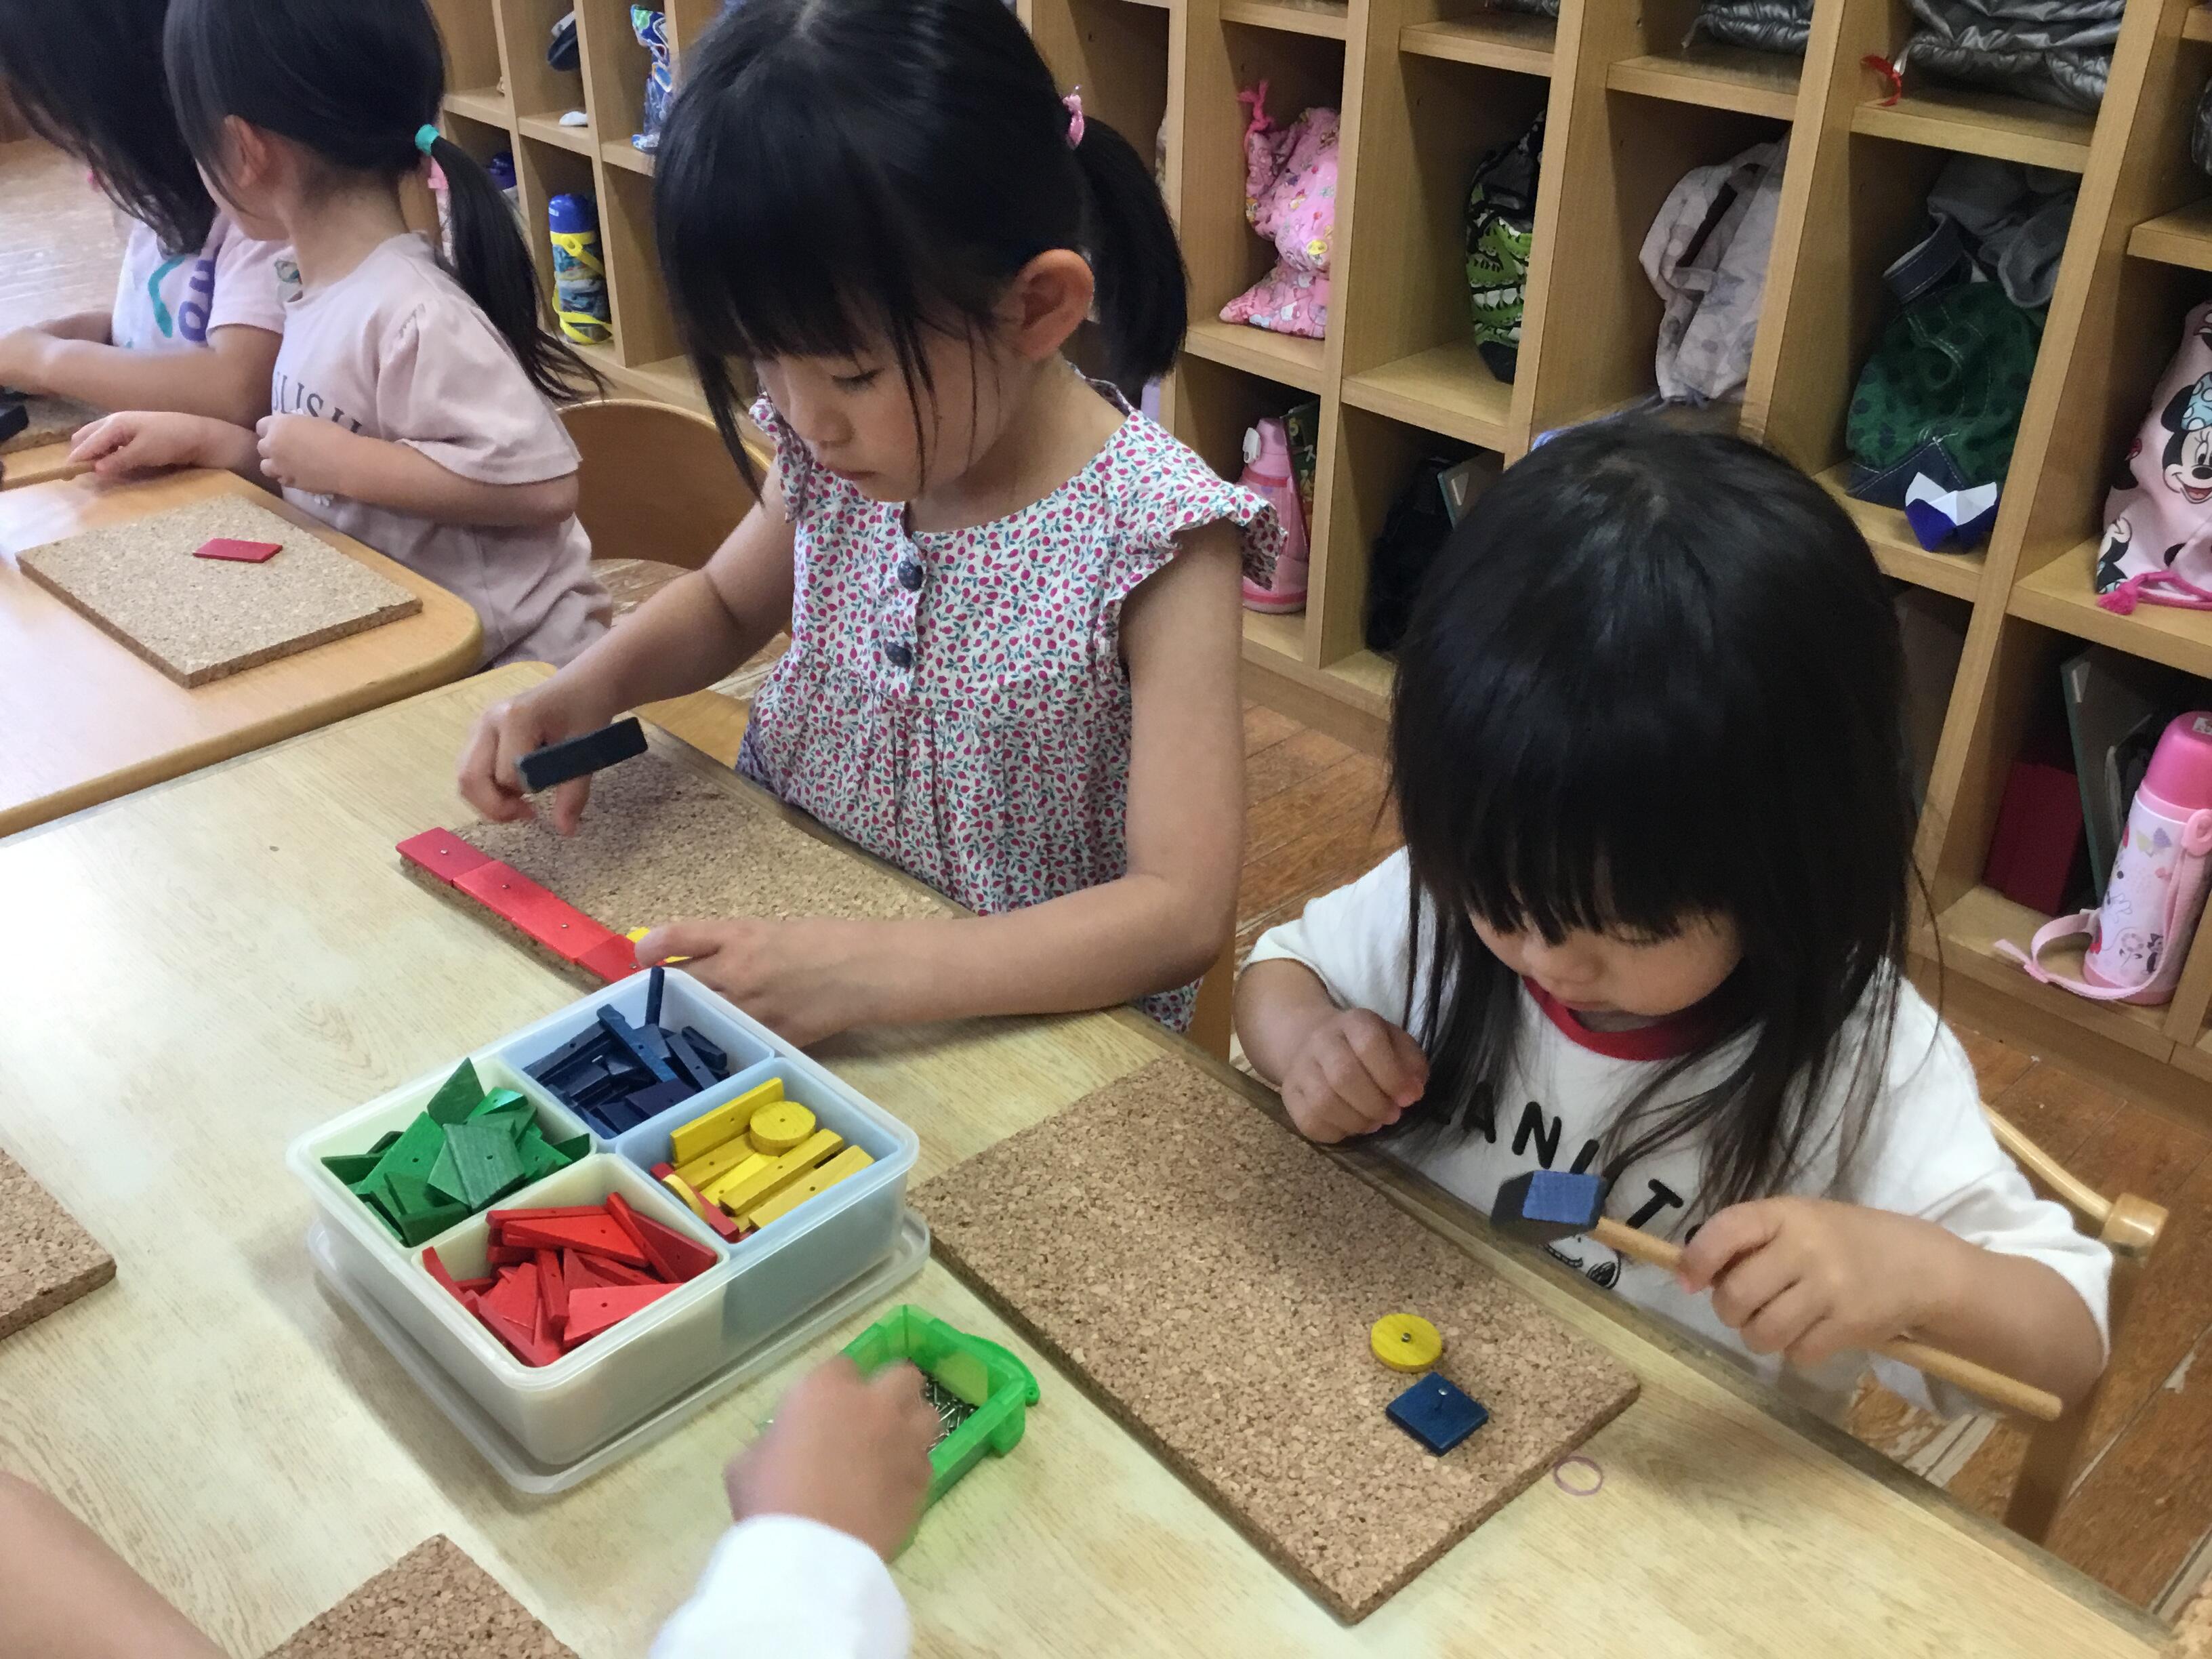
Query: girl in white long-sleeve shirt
<point>1650,922</point>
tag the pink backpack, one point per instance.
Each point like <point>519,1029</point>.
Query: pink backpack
<point>2158,518</point>
<point>1290,197</point>
<point>2139,937</point>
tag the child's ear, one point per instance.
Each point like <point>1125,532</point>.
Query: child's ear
<point>248,156</point>
<point>1046,301</point>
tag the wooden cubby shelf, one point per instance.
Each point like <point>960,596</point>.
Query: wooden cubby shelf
<point>2197,25</point>
<point>1284,357</point>
<point>1899,552</point>
<point>1505,39</point>
<point>2183,237</point>
<point>1329,19</point>
<point>1982,124</point>
<point>1447,389</point>
<point>2058,595</point>
<point>1714,78</point>
<point>485,104</point>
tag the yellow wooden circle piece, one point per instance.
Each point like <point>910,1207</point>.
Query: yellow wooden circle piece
<point>1405,1342</point>
<point>777,1128</point>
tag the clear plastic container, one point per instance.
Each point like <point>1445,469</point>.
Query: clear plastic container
<point>558,1413</point>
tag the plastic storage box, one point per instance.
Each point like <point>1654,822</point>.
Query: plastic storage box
<point>557,1413</point>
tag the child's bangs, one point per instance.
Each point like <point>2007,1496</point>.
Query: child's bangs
<point>1560,823</point>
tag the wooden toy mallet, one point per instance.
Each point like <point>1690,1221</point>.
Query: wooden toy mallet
<point>1546,1205</point>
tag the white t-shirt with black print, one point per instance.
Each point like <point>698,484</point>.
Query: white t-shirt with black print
<point>1926,1151</point>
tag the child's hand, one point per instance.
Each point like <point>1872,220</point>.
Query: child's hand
<point>1808,1278</point>
<point>508,731</point>
<point>852,1454</point>
<point>303,454</point>
<point>805,980</point>
<point>1357,1073</point>
<point>24,354</point>
<point>139,441</point>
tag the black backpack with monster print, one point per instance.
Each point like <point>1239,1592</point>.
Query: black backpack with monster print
<point>2157,548</point>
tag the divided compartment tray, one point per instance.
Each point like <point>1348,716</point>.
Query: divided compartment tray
<point>557,1415</point>
<point>537,1477</point>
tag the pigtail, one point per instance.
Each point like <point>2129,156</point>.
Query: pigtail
<point>493,263</point>
<point>1144,298</point>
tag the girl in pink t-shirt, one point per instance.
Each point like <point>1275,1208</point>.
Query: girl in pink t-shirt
<point>199,302</point>
<point>412,403</point>
<point>1012,602</point>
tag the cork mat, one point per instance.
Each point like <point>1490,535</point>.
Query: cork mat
<point>1212,1278</point>
<point>434,1603</point>
<point>46,1260</point>
<point>198,620</point>
<point>665,839</point>
<point>52,419</point>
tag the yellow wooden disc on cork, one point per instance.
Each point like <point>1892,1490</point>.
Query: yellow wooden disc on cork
<point>776,1129</point>
<point>1406,1342</point>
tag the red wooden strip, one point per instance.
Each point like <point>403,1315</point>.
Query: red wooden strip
<point>600,1236</point>
<point>441,852</point>
<point>516,899</point>
<point>616,959</point>
<point>611,1272</point>
<point>594,1311</point>
<point>677,1257</point>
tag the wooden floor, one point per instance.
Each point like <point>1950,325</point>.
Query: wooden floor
<point>2140,1519</point>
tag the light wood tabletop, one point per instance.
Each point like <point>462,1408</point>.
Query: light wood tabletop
<point>41,463</point>
<point>206,968</point>
<point>86,720</point>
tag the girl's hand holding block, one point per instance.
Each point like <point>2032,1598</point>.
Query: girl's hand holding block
<point>1355,1073</point>
<point>805,980</point>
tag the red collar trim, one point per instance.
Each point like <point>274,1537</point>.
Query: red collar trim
<point>1671,1038</point>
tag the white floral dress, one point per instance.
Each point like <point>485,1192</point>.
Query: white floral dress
<point>955,702</point>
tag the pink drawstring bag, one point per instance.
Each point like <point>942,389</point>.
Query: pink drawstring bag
<point>2139,937</point>
<point>1290,197</point>
<point>2158,516</point>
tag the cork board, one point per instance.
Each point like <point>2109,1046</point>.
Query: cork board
<point>1211,1278</point>
<point>664,838</point>
<point>46,1260</point>
<point>52,420</point>
<point>434,1603</point>
<point>198,620</point>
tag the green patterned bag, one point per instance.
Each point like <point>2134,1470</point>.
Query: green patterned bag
<point>1501,221</point>
<point>1941,396</point>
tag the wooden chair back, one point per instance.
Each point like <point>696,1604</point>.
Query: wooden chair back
<point>656,483</point>
<point>1214,1018</point>
<point>2129,1226</point>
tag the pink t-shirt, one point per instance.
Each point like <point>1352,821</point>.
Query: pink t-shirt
<point>396,349</point>
<point>165,300</point>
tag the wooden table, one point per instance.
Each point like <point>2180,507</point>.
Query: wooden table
<point>41,463</point>
<point>211,967</point>
<point>83,720</point>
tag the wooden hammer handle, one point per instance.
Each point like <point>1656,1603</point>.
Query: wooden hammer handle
<point>2007,1392</point>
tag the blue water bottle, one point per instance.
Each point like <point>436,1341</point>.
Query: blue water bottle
<point>580,275</point>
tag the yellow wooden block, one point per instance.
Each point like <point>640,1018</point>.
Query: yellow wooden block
<point>704,1170</point>
<point>776,1129</point>
<point>739,1196</point>
<point>851,1161</point>
<point>681,1188</point>
<point>703,1134</point>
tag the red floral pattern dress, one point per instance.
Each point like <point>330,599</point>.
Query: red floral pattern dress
<point>955,702</point>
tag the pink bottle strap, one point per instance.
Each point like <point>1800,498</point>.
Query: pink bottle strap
<point>2057,928</point>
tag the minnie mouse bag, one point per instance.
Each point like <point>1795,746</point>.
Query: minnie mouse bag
<point>2158,515</point>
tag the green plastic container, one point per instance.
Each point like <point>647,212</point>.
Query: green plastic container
<point>982,1374</point>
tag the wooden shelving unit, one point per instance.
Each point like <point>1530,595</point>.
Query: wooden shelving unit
<point>506,97</point>
<point>1425,87</point>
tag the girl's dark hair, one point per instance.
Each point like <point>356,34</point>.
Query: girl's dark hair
<point>1655,675</point>
<point>87,75</point>
<point>836,172</point>
<point>353,82</point>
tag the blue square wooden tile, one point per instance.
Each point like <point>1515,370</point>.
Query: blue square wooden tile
<point>1437,1414</point>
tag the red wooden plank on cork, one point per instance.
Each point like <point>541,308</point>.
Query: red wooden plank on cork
<point>442,853</point>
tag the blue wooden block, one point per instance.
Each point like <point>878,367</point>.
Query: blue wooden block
<point>655,984</point>
<point>1437,1414</point>
<point>629,1040</point>
<point>708,1051</point>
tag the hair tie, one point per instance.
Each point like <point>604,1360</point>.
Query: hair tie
<point>1074,105</point>
<point>426,139</point>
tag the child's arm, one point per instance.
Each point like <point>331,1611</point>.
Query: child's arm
<point>93,325</point>
<point>323,459</point>
<point>1809,1278</point>
<point>141,441</point>
<point>685,637</point>
<point>826,1494</point>
<point>64,1594</point>
<point>1342,1071</point>
<point>228,381</point>
<point>1157,927</point>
